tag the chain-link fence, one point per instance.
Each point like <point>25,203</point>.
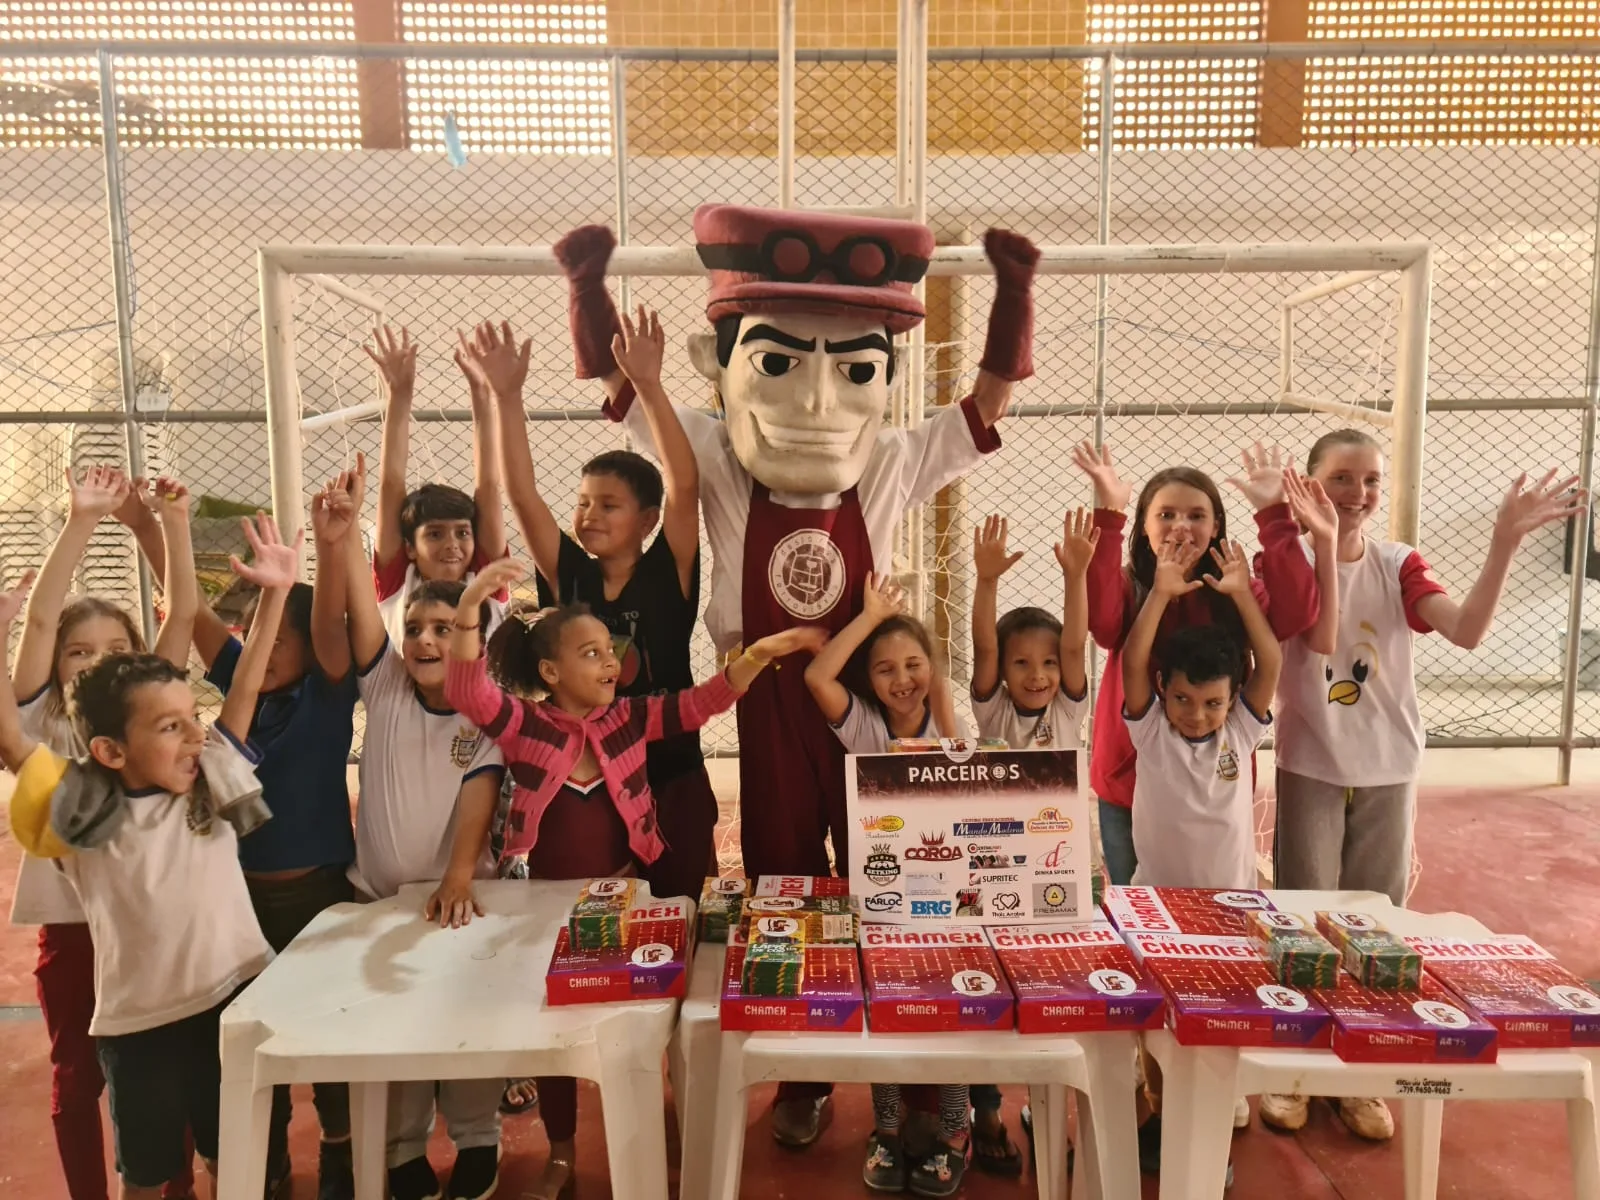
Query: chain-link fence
<point>1493,159</point>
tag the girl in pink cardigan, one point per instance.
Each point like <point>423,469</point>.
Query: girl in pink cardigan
<point>581,806</point>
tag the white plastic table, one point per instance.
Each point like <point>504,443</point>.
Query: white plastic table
<point>705,1060</point>
<point>1200,1082</point>
<point>372,993</point>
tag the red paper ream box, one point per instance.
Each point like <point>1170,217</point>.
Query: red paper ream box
<point>651,964</point>
<point>1428,1025</point>
<point>1075,979</point>
<point>933,979</point>
<point>801,885</point>
<point>830,998</point>
<point>1183,910</point>
<point>1221,992</point>
<point>1518,987</point>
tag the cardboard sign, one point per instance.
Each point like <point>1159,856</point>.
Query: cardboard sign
<point>969,838</point>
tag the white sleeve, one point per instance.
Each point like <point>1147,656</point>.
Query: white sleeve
<point>931,455</point>
<point>487,755</point>
<point>861,730</point>
<point>1143,731</point>
<point>1066,719</point>
<point>990,711</point>
<point>1246,727</point>
<point>379,681</point>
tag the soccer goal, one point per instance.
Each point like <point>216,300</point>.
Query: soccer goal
<point>289,273</point>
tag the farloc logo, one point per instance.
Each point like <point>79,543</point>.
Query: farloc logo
<point>933,849</point>
<point>883,902</point>
<point>881,867</point>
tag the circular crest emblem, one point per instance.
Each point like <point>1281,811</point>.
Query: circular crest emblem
<point>806,573</point>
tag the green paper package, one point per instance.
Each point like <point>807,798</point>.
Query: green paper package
<point>1379,959</point>
<point>721,904</point>
<point>599,919</point>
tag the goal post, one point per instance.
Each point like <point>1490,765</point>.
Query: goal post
<point>1352,264</point>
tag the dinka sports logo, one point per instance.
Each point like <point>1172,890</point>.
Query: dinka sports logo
<point>882,867</point>
<point>933,849</point>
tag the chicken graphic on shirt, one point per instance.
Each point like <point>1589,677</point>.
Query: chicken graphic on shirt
<point>1362,669</point>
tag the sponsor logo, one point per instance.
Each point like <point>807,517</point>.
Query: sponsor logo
<point>930,908</point>
<point>1282,999</point>
<point>881,867</point>
<point>974,983</point>
<point>778,927</point>
<point>776,904</point>
<point>1110,982</point>
<point>1240,900</point>
<point>651,954</point>
<point>806,573</point>
<point>728,887</point>
<point>1057,857</point>
<point>1050,820</point>
<point>885,824</point>
<point>969,903</point>
<point>1006,902</point>
<point>957,749</point>
<point>1353,920</point>
<point>988,862</point>
<point>933,849</point>
<point>1445,1016</point>
<point>925,885</point>
<point>1283,920</point>
<point>1574,999</point>
<point>883,902</point>
<point>1053,898</point>
<point>981,878</point>
<point>608,887</point>
<point>988,829</point>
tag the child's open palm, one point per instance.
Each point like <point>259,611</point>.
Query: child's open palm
<point>883,598</point>
<point>501,573</point>
<point>1109,489</point>
<point>13,599</point>
<point>495,355</point>
<point>1262,481</point>
<point>1174,561</point>
<point>989,557</point>
<point>639,349</point>
<point>99,493</point>
<point>1525,508</point>
<point>1310,505</point>
<point>273,562</point>
<point>395,358</point>
<point>166,497</point>
<point>1235,577</point>
<point>1079,537</point>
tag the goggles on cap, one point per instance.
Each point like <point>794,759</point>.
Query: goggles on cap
<point>793,256</point>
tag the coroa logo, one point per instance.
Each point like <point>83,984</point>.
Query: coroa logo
<point>930,908</point>
<point>882,867</point>
<point>884,902</point>
<point>933,849</point>
<point>887,824</point>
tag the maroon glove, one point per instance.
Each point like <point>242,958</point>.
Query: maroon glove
<point>583,255</point>
<point>1008,346</point>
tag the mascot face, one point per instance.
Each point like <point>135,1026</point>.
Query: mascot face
<point>803,395</point>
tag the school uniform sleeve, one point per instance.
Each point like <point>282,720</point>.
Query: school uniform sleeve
<point>1417,584</point>
<point>389,577</point>
<point>688,710</point>
<point>475,696</point>
<point>1247,726</point>
<point>378,679</point>
<point>1110,594</point>
<point>1144,730</point>
<point>1067,713</point>
<point>37,781</point>
<point>220,673</point>
<point>941,449</point>
<point>860,730</point>
<point>1288,579</point>
<point>990,711</point>
<point>487,758</point>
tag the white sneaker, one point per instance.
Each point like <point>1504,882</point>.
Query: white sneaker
<point>1287,1113</point>
<point>1241,1113</point>
<point>1367,1118</point>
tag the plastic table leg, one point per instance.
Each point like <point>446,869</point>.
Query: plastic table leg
<point>1108,1123</point>
<point>369,1120</point>
<point>1200,1083</point>
<point>727,1159</point>
<point>1583,1135</point>
<point>635,1119</point>
<point>697,1047</point>
<point>1049,1104</point>
<point>246,1119</point>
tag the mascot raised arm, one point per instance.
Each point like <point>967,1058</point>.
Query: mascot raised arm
<point>801,482</point>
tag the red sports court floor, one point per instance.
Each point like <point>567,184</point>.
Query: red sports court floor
<point>1520,860</point>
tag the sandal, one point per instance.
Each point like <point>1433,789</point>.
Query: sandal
<point>519,1097</point>
<point>548,1188</point>
<point>992,1150</point>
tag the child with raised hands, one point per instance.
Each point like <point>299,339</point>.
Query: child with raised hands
<point>146,828</point>
<point>1195,731</point>
<point>647,596</point>
<point>581,806</point>
<point>295,865</point>
<point>1350,734</point>
<point>1182,506</point>
<point>60,639</point>
<point>876,681</point>
<point>433,532</point>
<point>421,762</point>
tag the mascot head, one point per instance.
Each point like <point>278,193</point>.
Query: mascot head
<point>804,307</point>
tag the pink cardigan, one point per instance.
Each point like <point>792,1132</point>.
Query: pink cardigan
<point>542,744</point>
